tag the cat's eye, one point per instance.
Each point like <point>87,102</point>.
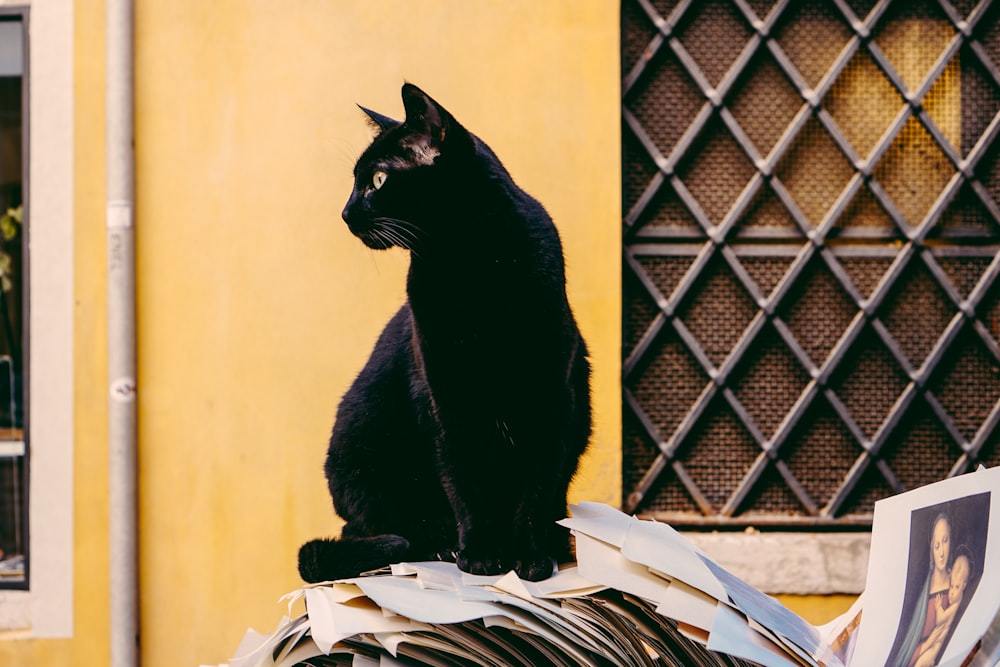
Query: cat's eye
<point>378,179</point>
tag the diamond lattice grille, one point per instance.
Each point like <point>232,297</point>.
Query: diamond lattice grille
<point>811,230</point>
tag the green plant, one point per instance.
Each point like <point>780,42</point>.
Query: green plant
<point>10,225</point>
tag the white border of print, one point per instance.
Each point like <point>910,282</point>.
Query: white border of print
<point>887,568</point>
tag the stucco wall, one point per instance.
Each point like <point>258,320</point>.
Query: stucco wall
<point>255,306</point>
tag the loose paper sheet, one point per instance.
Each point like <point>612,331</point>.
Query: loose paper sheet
<point>607,566</point>
<point>731,634</point>
<point>688,605</point>
<point>901,557</point>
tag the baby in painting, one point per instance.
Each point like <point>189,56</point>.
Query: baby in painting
<point>943,612</point>
<point>941,581</point>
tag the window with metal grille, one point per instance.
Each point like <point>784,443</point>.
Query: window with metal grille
<point>811,231</point>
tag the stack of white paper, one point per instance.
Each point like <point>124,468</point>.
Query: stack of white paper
<point>641,594</point>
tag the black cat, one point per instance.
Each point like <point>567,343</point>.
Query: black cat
<point>459,437</point>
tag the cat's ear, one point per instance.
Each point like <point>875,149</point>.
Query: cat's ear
<point>424,114</point>
<point>431,127</point>
<point>377,121</point>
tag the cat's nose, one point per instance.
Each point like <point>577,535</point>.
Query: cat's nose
<point>351,213</point>
<point>351,207</point>
<point>354,218</point>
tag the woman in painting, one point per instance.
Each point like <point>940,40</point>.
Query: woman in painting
<point>945,613</point>
<point>933,594</point>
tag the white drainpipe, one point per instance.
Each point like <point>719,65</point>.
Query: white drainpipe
<point>123,524</point>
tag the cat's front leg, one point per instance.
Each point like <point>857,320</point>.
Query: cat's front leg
<point>504,519</point>
<point>520,550</point>
<point>486,557</point>
<point>482,536</point>
<point>534,527</point>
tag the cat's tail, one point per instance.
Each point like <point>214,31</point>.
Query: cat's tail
<point>344,557</point>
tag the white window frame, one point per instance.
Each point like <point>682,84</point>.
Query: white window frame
<point>45,610</point>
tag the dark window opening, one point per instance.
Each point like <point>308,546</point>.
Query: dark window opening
<point>13,451</point>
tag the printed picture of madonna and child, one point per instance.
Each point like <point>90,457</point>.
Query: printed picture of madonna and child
<point>947,548</point>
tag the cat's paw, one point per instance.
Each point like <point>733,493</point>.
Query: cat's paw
<point>448,555</point>
<point>481,564</point>
<point>535,568</point>
<point>312,560</point>
<point>331,559</point>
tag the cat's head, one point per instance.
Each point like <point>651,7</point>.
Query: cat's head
<point>407,173</point>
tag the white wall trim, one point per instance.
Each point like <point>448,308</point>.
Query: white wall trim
<point>15,610</point>
<point>51,402</point>
<point>50,199</point>
<point>792,563</point>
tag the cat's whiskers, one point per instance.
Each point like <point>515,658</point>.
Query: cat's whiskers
<point>348,152</point>
<point>385,236</point>
<point>371,254</point>
<point>401,232</point>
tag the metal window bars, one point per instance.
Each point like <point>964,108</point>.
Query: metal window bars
<point>811,232</point>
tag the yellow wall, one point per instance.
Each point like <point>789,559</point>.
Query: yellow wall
<point>256,307</point>
<point>90,643</point>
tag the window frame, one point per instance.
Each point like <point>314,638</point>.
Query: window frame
<point>21,16</point>
<point>45,609</point>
